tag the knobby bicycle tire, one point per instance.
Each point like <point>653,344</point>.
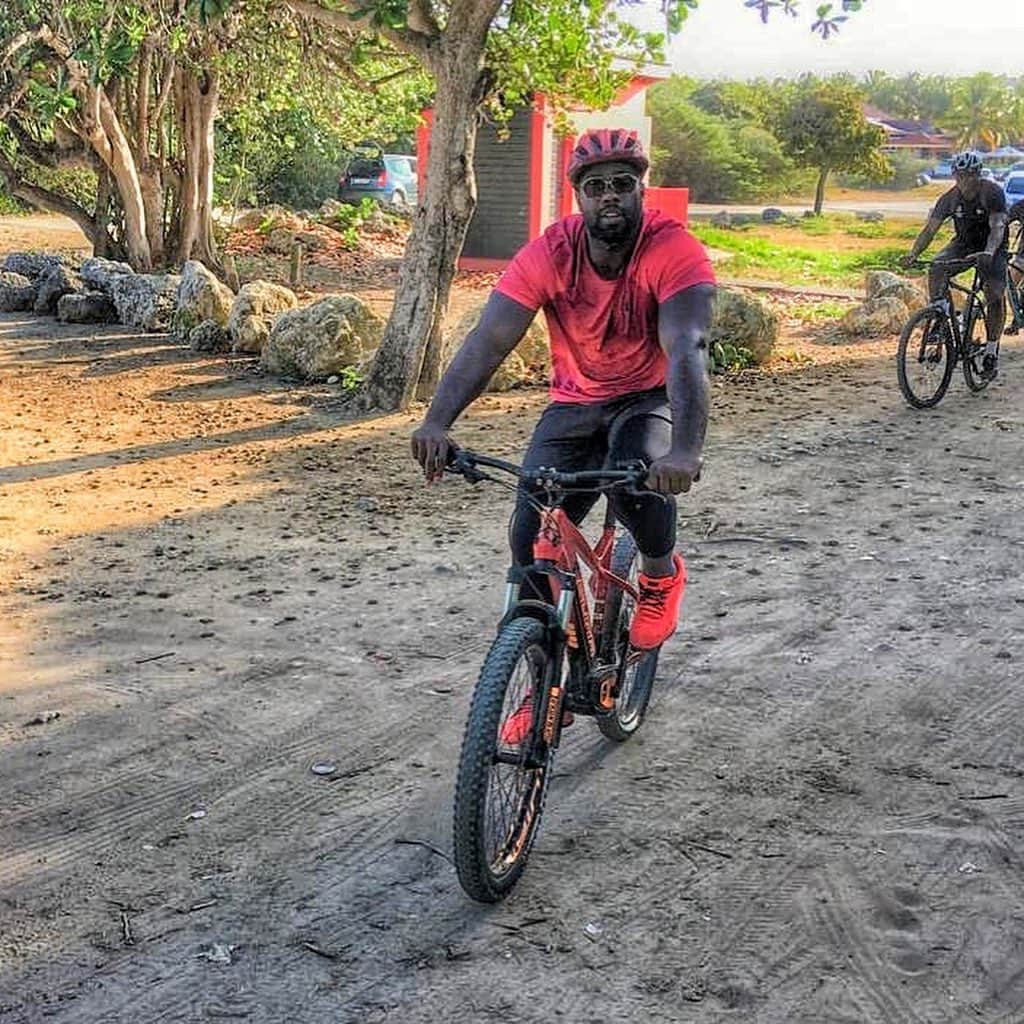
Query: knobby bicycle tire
<point>484,878</point>
<point>1015,298</point>
<point>923,320</point>
<point>974,353</point>
<point>635,682</point>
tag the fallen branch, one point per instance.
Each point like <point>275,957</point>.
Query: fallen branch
<point>155,657</point>
<point>708,849</point>
<point>427,846</point>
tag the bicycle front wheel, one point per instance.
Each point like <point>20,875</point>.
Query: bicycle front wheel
<point>974,351</point>
<point>635,679</point>
<point>925,358</point>
<point>499,795</point>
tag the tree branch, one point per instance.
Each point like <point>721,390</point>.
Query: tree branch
<point>21,40</point>
<point>419,44</point>
<point>45,199</point>
<point>165,91</point>
<point>143,84</point>
<point>375,83</point>
<point>13,97</point>
<point>421,18</point>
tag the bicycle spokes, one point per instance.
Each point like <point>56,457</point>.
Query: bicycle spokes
<point>925,358</point>
<point>513,786</point>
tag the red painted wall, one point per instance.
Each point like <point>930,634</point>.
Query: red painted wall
<point>675,202</point>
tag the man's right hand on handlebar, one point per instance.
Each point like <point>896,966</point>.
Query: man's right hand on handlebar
<point>430,448</point>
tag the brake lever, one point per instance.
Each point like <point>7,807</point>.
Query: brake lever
<point>464,467</point>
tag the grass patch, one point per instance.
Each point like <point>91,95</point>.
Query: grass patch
<point>818,312</point>
<point>833,250</point>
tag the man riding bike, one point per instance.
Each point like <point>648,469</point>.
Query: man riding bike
<point>978,209</point>
<point>627,295</point>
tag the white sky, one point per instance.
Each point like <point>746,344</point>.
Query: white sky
<point>724,39</point>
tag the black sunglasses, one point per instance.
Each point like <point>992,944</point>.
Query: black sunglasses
<point>619,184</point>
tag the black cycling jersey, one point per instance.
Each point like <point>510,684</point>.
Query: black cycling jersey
<point>1016,212</point>
<point>970,217</point>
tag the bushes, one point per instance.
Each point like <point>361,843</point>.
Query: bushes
<point>719,159</point>
<point>906,168</point>
<point>9,205</point>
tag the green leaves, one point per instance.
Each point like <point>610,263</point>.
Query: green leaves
<point>209,10</point>
<point>725,357</point>
<point>824,126</point>
<point>393,14</point>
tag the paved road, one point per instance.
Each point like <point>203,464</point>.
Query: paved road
<point>891,208</point>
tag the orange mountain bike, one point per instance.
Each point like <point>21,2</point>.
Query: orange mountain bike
<point>554,657</point>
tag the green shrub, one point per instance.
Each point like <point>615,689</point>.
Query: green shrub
<point>906,169</point>
<point>9,206</point>
<point>726,358</point>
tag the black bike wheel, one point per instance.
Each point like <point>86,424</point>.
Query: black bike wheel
<point>636,680</point>
<point>1015,299</point>
<point>974,350</point>
<point>499,796</point>
<point>925,358</point>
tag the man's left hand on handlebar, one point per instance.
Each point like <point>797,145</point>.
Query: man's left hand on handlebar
<point>430,448</point>
<point>673,473</point>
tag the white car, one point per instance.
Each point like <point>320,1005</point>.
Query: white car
<point>1014,188</point>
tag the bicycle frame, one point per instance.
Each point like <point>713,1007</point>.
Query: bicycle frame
<point>975,298</point>
<point>559,550</point>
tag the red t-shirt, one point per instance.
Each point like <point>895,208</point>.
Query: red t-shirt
<point>604,334</point>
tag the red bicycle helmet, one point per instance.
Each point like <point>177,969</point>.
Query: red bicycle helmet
<point>602,145</point>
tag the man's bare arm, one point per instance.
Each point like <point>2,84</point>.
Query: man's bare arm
<point>502,326</point>
<point>683,322</point>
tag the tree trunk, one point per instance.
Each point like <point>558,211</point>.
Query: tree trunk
<point>101,244</point>
<point>121,161</point>
<point>819,192</point>
<point>408,361</point>
<point>196,99</point>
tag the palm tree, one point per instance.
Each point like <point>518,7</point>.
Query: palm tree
<point>981,112</point>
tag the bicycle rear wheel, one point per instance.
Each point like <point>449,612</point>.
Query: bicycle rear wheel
<point>974,350</point>
<point>636,680</point>
<point>499,795</point>
<point>1015,299</point>
<point>925,358</point>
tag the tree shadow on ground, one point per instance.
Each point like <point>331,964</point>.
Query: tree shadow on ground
<point>339,610</point>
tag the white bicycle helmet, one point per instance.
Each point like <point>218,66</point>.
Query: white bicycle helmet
<point>967,162</point>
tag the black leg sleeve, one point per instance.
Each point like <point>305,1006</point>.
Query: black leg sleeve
<point>651,519</point>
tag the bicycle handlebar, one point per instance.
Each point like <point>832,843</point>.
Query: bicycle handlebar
<point>466,463</point>
<point>964,262</point>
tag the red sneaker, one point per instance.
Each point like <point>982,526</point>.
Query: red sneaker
<point>517,726</point>
<point>657,611</point>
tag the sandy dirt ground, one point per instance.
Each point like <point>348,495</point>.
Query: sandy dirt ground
<point>209,582</point>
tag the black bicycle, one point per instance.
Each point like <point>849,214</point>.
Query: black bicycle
<point>553,658</point>
<point>1015,289</point>
<point>939,336</point>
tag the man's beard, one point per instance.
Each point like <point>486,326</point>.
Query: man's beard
<point>613,233</point>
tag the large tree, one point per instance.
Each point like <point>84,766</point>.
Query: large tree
<point>130,93</point>
<point>482,52</point>
<point>823,126</point>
